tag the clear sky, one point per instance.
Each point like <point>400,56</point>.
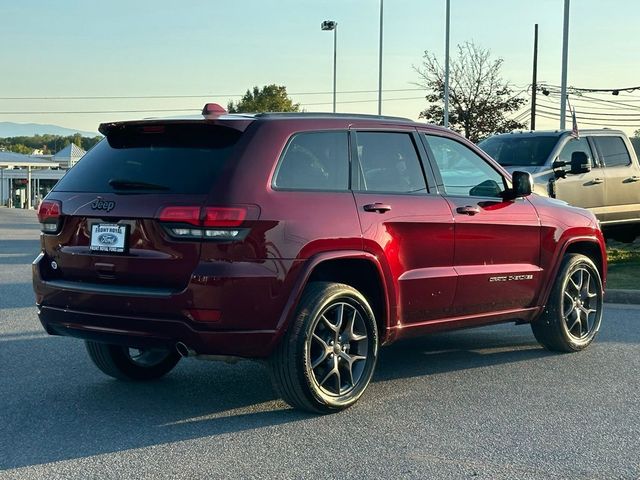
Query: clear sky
<point>217,49</point>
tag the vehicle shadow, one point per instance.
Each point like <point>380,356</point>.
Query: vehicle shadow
<point>58,396</point>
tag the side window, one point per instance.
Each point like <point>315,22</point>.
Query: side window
<point>388,162</point>
<point>463,171</point>
<point>315,161</point>
<point>576,145</point>
<point>612,151</point>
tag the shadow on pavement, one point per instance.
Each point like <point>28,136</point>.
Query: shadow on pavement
<point>61,407</point>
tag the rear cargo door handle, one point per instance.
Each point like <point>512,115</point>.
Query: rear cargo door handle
<point>468,210</point>
<point>597,181</point>
<point>377,207</point>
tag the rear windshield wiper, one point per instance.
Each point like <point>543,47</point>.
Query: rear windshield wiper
<point>120,184</point>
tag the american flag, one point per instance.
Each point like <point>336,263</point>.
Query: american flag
<point>574,129</point>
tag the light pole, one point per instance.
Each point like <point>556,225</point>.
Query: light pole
<point>565,55</point>
<point>446,64</point>
<point>380,61</point>
<point>331,25</point>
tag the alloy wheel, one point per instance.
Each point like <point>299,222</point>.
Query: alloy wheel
<point>580,303</point>
<point>338,349</point>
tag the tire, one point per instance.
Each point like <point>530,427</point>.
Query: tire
<point>125,363</point>
<point>326,359</point>
<point>573,315</point>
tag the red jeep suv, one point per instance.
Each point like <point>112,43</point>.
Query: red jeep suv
<point>308,240</point>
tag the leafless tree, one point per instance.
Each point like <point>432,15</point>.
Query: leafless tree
<point>479,99</point>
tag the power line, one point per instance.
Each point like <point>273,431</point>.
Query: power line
<point>197,110</point>
<point>553,116</point>
<point>208,95</point>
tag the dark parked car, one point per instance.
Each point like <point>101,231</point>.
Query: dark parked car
<point>307,240</point>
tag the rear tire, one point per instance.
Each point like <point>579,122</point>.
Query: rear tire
<point>326,359</point>
<point>572,317</point>
<point>125,363</point>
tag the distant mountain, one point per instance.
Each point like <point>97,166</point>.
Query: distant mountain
<point>10,129</point>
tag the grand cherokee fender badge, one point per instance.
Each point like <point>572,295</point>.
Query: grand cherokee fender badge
<point>100,204</point>
<point>511,278</point>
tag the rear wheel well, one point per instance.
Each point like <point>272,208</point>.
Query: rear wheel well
<point>363,276</point>
<point>589,249</point>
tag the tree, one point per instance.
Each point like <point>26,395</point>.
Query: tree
<point>272,98</point>
<point>479,99</point>
<point>637,133</point>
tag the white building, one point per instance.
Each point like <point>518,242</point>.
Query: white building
<point>69,155</point>
<point>26,178</point>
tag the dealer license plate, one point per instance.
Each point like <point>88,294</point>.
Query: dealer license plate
<point>108,237</point>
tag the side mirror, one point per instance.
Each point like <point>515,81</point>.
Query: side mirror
<point>580,163</point>
<point>522,185</point>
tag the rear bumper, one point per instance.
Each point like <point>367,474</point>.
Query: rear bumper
<point>154,332</point>
<point>249,296</point>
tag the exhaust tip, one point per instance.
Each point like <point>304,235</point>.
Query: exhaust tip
<point>183,350</point>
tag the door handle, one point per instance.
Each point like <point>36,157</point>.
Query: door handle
<point>597,181</point>
<point>468,210</point>
<point>634,178</point>
<point>377,207</point>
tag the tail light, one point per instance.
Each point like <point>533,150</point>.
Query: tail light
<point>209,223</point>
<point>49,216</point>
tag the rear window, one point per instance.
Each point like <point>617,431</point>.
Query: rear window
<point>160,159</point>
<point>519,151</point>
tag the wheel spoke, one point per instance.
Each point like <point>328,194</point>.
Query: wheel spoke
<point>573,282</point>
<point>330,325</point>
<point>340,322</point>
<point>320,341</point>
<point>320,360</point>
<point>349,329</point>
<point>331,373</point>
<point>577,321</point>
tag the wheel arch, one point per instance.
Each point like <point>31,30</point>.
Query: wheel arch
<point>360,270</point>
<point>591,247</point>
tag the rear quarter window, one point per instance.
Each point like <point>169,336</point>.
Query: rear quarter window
<point>315,161</point>
<point>613,151</point>
<point>183,159</point>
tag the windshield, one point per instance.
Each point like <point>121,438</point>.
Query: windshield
<point>183,159</point>
<point>521,151</point>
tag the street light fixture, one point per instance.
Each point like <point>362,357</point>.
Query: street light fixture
<point>329,25</point>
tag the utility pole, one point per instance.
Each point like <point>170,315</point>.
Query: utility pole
<point>565,54</point>
<point>380,61</point>
<point>446,65</point>
<point>534,82</point>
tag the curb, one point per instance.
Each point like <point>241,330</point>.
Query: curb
<point>622,296</point>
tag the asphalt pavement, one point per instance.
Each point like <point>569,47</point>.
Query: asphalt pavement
<point>482,403</point>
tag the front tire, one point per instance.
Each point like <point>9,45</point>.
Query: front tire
<point>326,359</point>
<point>573,315</point>
<point>125,363</point>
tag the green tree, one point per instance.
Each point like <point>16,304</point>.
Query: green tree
<point>77,139</point>
<point>479,99</point>
<point>272,98</point>
<point>20,148</point>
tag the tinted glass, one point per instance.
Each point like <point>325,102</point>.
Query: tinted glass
<point>613,151</point>
<point>518,150</point>
<point>576,145</point>
<point>172,159</point>
<point>463,171</point>
<point>388,162</point>
<point>315,161</point>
